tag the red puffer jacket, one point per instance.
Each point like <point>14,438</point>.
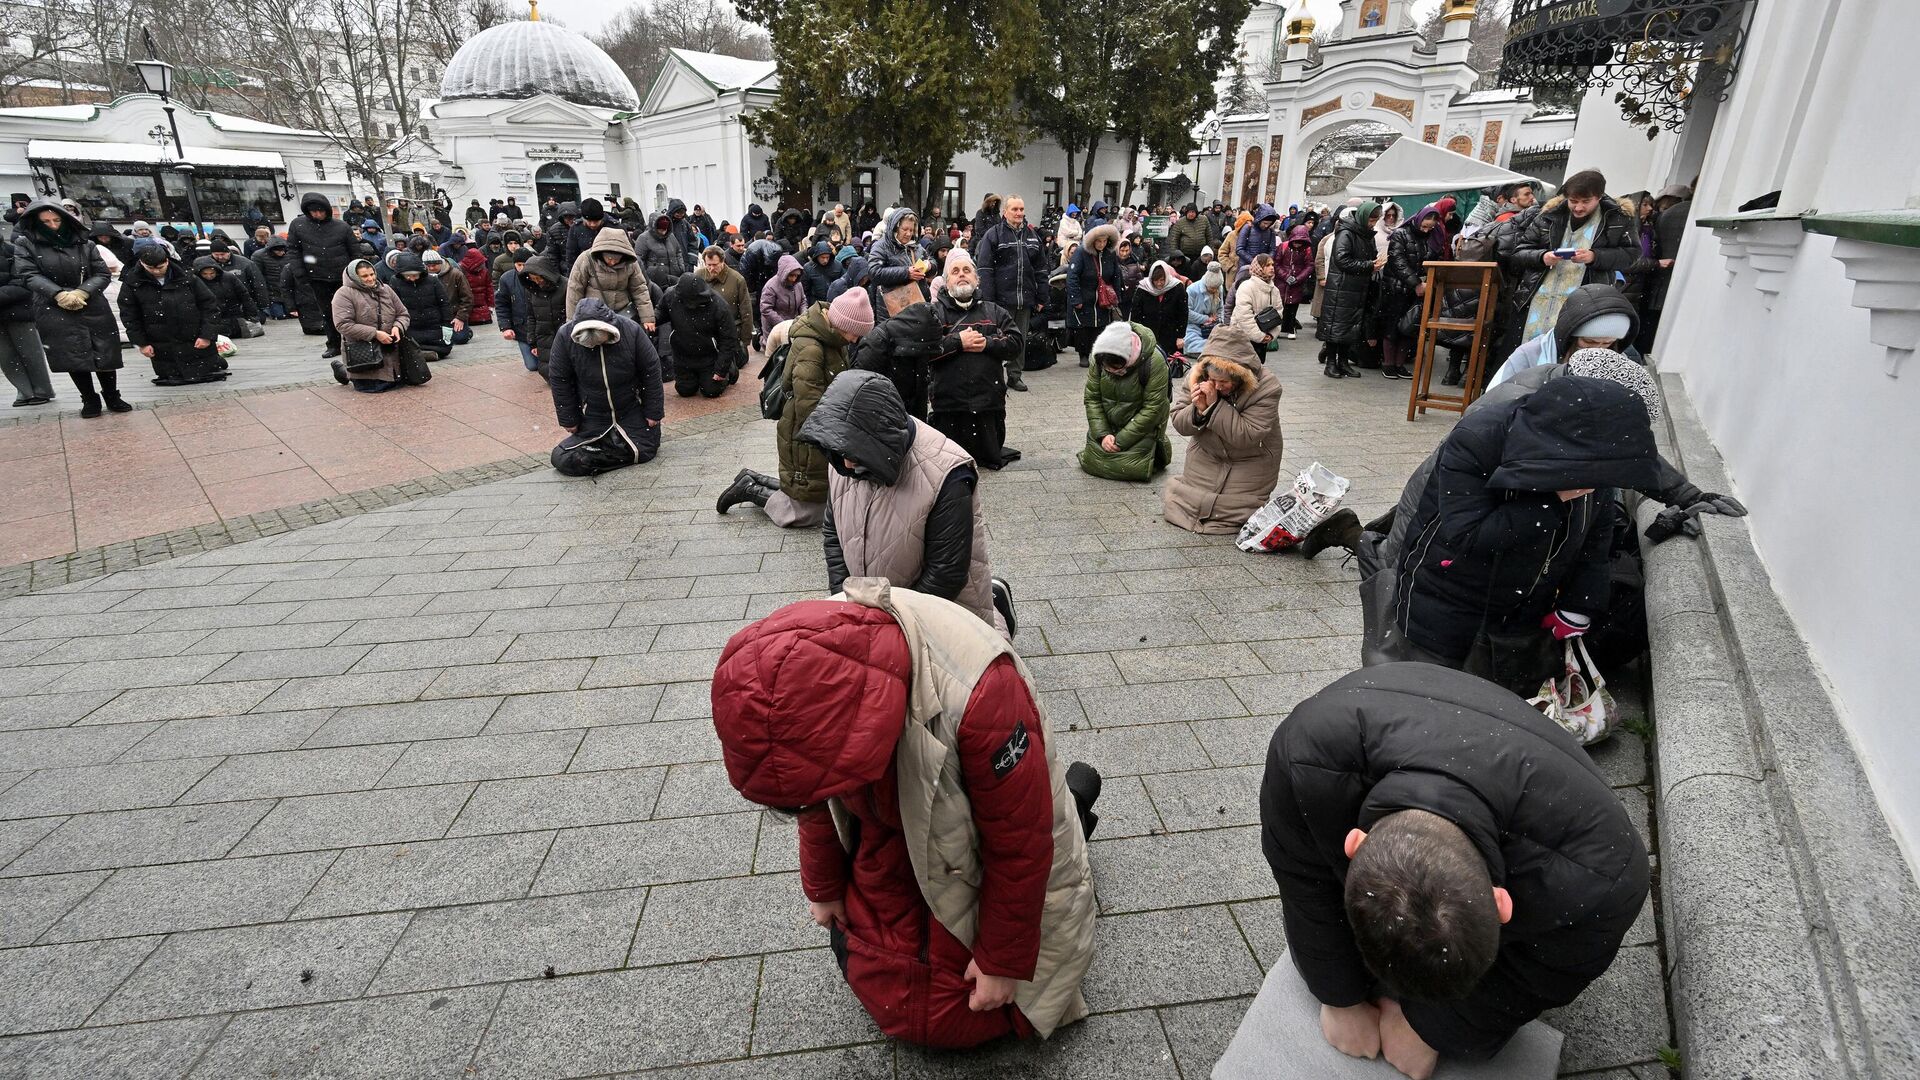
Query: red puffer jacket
<point>474,265</point>
<point>809,704</point>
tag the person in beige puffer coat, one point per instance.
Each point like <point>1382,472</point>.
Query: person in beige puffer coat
<point>1231,411</point>
<point>610,273</point>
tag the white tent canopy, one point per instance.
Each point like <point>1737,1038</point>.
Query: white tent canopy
<point>1411,167</point>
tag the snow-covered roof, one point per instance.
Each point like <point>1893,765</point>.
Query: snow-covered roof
<point>1494,97</point>
<point>146,153</point>
<point>727,72</point>
<point>56,84</point>
<point>53,112</point>
<point>1243,118</point>
<point>230,122</point>
<point>522,59</point>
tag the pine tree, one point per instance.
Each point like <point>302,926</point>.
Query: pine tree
<point>1241,95</point>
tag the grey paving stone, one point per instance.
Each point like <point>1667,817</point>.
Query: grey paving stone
<point>517,939</point>
<point>50,710</point>
<point>17,836</point>
<point>344,690</point>
<point>211,736</point>
<point>1125,634</point>
<point>697,635</point>
<point>557,802</point>
<point>1129,1044</point>
<point>294,772</point>
<point>256,967</point>
<point>574,644</point>
<point>1265,931</point>
<point>396,1038</point>
<point>356,819</point>
<point>1280,693</point>
<point>193,896</point>
<point>1142,609</point>
<point>443,582</point>
<point>699,920</point>
<point>52,748</point>
<point>1159,703</point>
<point>188,597</point>
<point>1309,654</point>
<point>184,702</point>
<point>483,757</point>
<point>669,667</point>
<point>1207,798</point>
<point>666,742</point>
<point>672,612</point>
<point>214,618</point>
<point>685,700</point>
<point>575,709</point>
<point>434,652</point>
<point>1622,758</point>
<point>522,678</point>
<point>383,630</point>
<point>240,639</point>
<point>405,721</point>
<point>88,788</point>
<point>585,1024</point>
<point>1125,810</point>
<point>1620,1018</point>
<point>1236,740</point>
<point>1130,751</point>
<point>356,608</point>
<point>699,788</point>
<point>59,986</point>
<point>166,834</point>
<point>492,600</point>
<point>778,850</point>
<point>1180,869</point>
<point>1073,671</point>
<point>89,650</point>
<point>871,1062</point>
<point>1305,597</point>
<point>155,671</point>
<point>804,1004</point>
<point>1267,626</point>
<point>1200,1032</point>
<point>648,853</point>
<point>289,663</point>
<point>55,603</point>
<point>1168,958</point>
<point>323,588</point>
<point>130,1052</point>
<point>537,620</point>
<point>429,873</point>
<point>33,904</point>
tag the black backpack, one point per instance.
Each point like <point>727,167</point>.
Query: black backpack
<point>775,394</point>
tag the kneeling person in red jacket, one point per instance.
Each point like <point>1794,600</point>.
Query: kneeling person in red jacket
<point>942,841</point>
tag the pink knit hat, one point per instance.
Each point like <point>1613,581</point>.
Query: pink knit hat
<point>851,313</point>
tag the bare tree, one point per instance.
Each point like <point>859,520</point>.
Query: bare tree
<point>1333,160</point>
<point>1488,37</point>
<point>39,27</point>
<point>640,35</point>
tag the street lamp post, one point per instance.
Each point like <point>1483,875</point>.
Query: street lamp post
<point>157,76</point>
<point>1213,147</point>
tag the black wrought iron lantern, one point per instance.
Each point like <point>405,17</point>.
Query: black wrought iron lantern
<point>1659,56</point>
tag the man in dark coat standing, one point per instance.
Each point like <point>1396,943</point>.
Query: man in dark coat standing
<point>1451,864</point>
<point>605,379</point>
<point>968,390</point>
<point>1011,260</point>
<point>319,246</point>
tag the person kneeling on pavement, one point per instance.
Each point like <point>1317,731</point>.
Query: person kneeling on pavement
<point>942,842</point>
<point>705,341</point>
<point>606,392</point>
<point>903,500</point>
<point>172,318</point>
<point>1231,411</point>
<point>1127,406</point>
<point>1451,864</point>
<point>967,388</point>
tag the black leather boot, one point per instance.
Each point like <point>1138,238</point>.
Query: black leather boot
<point>1340,530</point>
<point>747,486</point>
<point>1456,371</point>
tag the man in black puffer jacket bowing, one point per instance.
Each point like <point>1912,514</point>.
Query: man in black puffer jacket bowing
<point>606,392</point>
<point>1450,862</point>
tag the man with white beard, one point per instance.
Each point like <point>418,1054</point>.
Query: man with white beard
<point>967,395</point>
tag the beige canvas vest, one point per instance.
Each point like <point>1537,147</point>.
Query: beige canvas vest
<point>950,651</point>
<point>883,530</point>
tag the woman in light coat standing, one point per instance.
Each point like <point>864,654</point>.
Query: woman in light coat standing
<point>1231,412</point>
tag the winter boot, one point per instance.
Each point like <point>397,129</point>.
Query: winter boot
<point>116,403</point>
<point>1340,530</point>
<point>1346,368</point>
<point>1329,366</point>
<point>747,486</point>
<point>1003,603</point>
<point>1083,781</point>
<point>339,373</point>
<point>89,405</point>
<point>1456,371</point>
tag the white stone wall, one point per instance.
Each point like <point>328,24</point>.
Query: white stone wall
<point>1823,445</point>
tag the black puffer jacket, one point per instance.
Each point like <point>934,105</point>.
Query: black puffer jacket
<point>964,381</point>
<point>610,392</point>
<point>704,339</point>
<point>546,302</point>
<point>861,417</point>
<point>425,298</point>
<point>661,257</point>
<point>1012,264</point>
<point>170,314</point>
<point>272,261</point>
<point>1343,311</point>
<point>16,300</point>
<point>52,262</point>
<point>1405,271</point>
<point>320,250</point>
<point>229,292</point>
<point>580,239</point>
<point>1418,737</point>
<point>1492,546</point>
<point>819,277</point>
<point>901,349</point>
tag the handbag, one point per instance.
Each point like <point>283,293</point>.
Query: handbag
<point>361,356</point>
<point>1268,320</point>
<point>413,363</point>
<point>1579,700</point>
<point>776,393</point>
<point>1105,297</point>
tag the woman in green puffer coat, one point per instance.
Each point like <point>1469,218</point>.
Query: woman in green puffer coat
<point>1127,406</point>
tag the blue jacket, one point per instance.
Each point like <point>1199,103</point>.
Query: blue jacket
<point>1200,307</point>
<point>511,308</point>
<point>1257,241</point>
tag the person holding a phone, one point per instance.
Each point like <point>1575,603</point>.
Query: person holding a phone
<point>1581,237</point>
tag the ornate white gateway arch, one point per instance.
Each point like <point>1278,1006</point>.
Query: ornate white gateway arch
<point>1373,67</point>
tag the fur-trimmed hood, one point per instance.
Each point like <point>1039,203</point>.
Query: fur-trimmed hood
<point>1214,367</point>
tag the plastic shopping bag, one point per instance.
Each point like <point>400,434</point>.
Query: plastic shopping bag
<point>1294,510</point>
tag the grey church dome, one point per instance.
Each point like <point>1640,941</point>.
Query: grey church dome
<point>523,58</point>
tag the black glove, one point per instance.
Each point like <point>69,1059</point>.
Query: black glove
<point>1708,502</point>
<point>1673,521</point>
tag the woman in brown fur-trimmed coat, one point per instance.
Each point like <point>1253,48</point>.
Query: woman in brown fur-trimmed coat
<point>1231,411</point>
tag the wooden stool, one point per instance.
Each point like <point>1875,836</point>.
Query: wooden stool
<point>1483,278</point>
